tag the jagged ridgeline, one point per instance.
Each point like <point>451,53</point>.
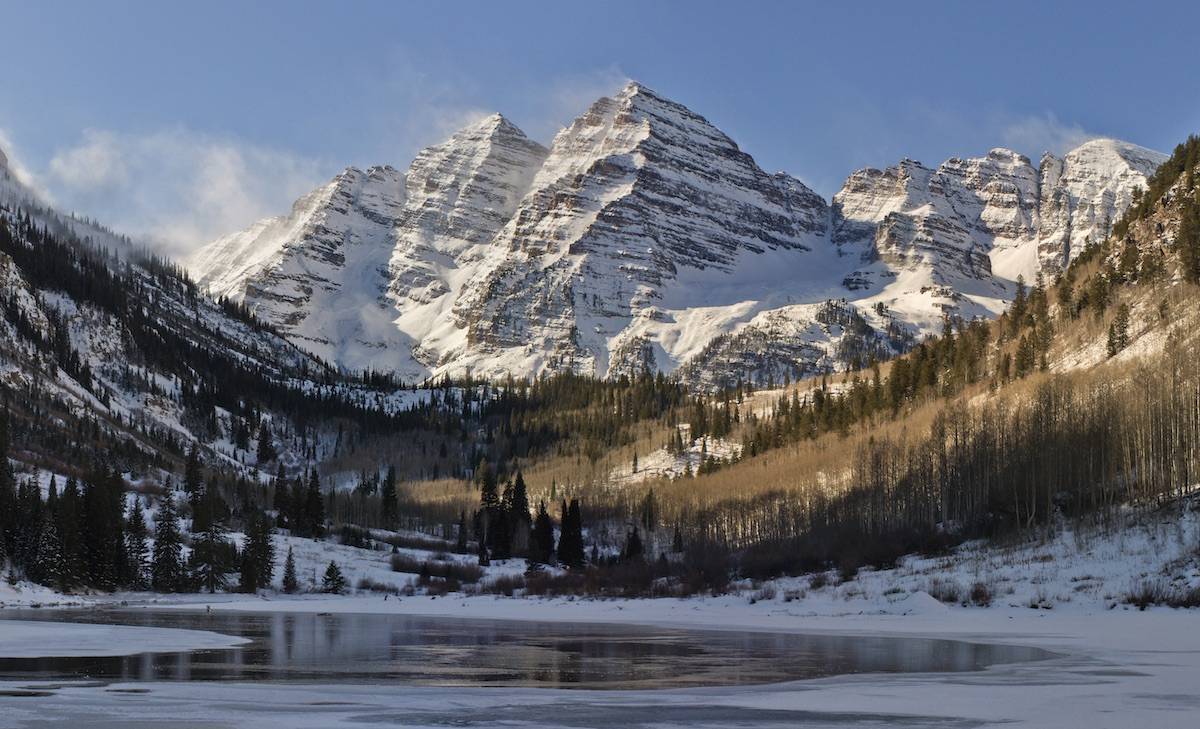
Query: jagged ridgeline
<point>644,238</point>
<point>126,362</point>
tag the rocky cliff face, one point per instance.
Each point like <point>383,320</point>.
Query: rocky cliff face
<point>993,215</point>
<point>1083,194</point>
<point>645,238</point>
<point>633,192</point>
<point>955,239</point>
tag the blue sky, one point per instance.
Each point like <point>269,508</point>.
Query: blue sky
<point>183,120</point>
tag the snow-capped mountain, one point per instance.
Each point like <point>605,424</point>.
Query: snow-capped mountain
<point>645,238</point>
<point>637,196</point>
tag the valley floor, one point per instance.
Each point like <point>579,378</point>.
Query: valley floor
<point>1116,666</point>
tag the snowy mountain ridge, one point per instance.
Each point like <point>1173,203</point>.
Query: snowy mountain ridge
<point>644,238</point>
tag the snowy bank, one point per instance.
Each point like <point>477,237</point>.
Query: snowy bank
<point>34,639</point>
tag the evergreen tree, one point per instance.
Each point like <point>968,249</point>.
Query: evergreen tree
<point>500,532</point>
<point>541,543</point>
<point>193,477</point>
<point>8,492</point>
<point>103,530</point>
<point>137,548</point>
<point>314,508</point>
<point>52,565</point>
<point>461,544</point>
<point>677,541</point>
<point>390,506</point>
<point>208,564</point>
<point>67,516</point>
<point>1118,331</point>
<point>520,499</point>
<point>29,527</point>
<point>166,567</point>
<point>570,541</point>
<point>290,584</point>
<point>266,450</point>
<point>489,497</point>
<point>333,582</point>
<point>258,555</point>
<point>283,502</point>
<point>633,550</point>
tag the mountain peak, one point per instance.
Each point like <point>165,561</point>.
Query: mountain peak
<point>490,125</point>
<point>1004,154</point>
<point>633,88</point>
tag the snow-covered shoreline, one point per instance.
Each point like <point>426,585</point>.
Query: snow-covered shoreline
<point>37,639</point>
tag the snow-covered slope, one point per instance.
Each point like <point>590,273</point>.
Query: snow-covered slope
<point>317,274</point>
<point>645,238</point>
<point>460,193</point>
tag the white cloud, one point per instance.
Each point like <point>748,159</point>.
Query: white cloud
<point>1036,134</point>
<point>177,188</point>
<point>9,158</point>
<point>571,96</point>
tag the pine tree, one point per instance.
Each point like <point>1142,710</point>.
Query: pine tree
<point>67,515</point>
<point>193,477</point>
<point>103,530</point>
<point>8,493</point>
<point>7,485</point>
<point>314,508</point>
<point>461,544</point>
<point>520,499</point>
<point>570,541</point>
<point>136,547</point>
<point>52,566</point>
<point>208,566</point>
<point>633,549</point>
<point>266,450</point>
<point>283,502</point>
<point>166,567</point>
<point>290,583</point>
<point>334,582</point>
<point>390,507</point>
<point>258,555</point>
<point>489,497</point>
<point>1118,331</point>
<point>541,546</point>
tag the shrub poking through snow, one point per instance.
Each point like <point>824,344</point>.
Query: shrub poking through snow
<point>460,571</point>
<point>944,591</point>
<point>981,594</point>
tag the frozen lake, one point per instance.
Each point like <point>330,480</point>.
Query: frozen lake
<point>431,651</point>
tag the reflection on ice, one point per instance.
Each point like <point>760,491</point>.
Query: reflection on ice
<point>437,651</point>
